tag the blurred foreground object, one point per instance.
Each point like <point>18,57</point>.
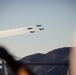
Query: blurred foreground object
<point>73,56</point>
<point>17,67</point>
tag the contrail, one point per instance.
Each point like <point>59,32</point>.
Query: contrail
<point>17,31</point>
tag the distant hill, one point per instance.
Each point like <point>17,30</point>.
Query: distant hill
<point>60,55</point>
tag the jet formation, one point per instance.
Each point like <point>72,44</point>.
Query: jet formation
<point>39,26</point>
<point>18,31</point>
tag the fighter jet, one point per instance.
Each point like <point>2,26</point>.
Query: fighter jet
<point>32,31</point>
<point>41,28</point>
<point>39,25</point>
<point>30,28</point>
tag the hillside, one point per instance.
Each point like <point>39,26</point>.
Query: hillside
<point>56,56</point>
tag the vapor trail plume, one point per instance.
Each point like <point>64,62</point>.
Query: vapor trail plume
<point>17,31</point>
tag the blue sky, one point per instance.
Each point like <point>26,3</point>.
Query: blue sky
<point>58,17</point>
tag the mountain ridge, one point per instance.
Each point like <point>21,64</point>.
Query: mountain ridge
<point>60,55</point>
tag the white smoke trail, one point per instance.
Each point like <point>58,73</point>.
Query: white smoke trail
<point>17,31</point>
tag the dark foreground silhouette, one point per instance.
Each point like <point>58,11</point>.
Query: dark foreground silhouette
<point>17,67</point>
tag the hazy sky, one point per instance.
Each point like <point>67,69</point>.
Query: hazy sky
<point>58,17</point>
